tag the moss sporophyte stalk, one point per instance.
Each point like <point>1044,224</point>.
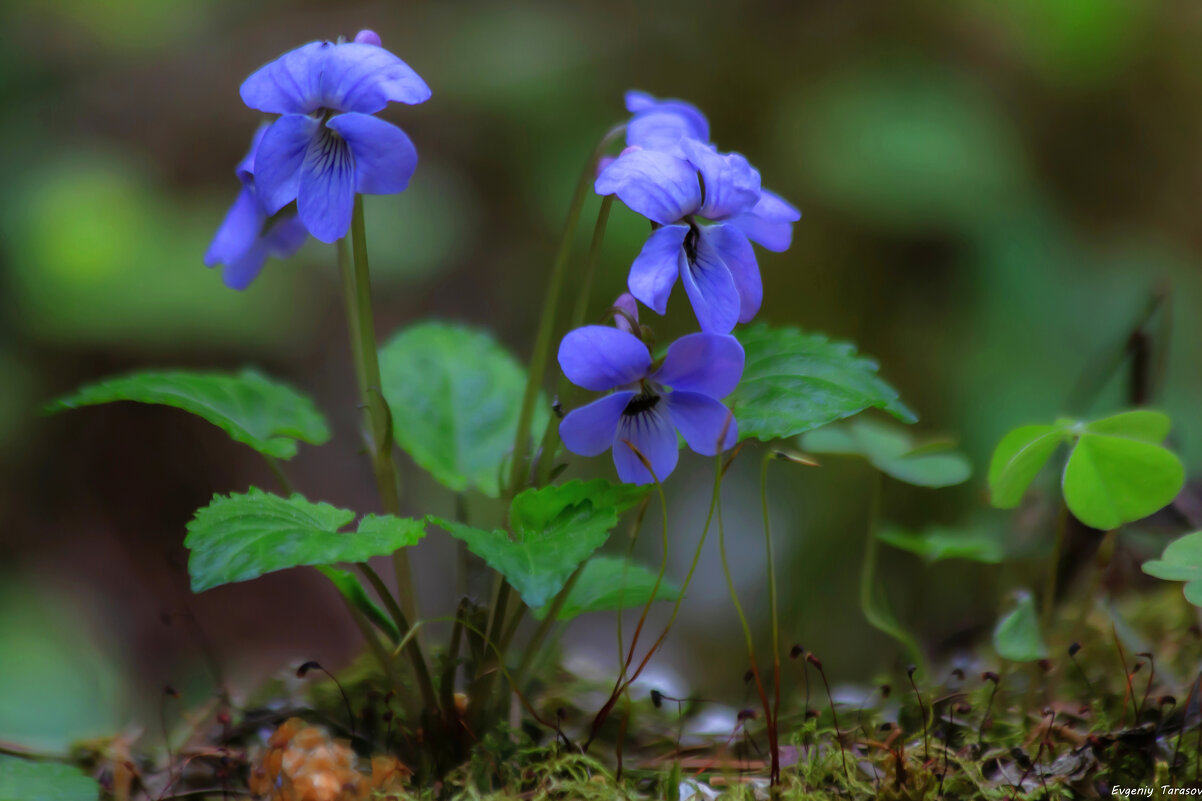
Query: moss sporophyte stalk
<point>474,700</point>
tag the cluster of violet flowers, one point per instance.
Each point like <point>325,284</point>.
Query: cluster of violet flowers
<point>705,208</point>
<point>304,169</point>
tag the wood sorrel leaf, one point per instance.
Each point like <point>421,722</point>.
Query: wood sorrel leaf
<point>1017,636</point>
<point>455,396</point>
<point>937,543</point>
<point>1116,473</point>
<point>241,537</point>
<point>1112,480</point>
<point>891,450</point>
<point>794,382</point>
<point>1181,561</point>
<point>611,583</point>
<point>1018,458</point>
<point>24,780</point>
<point>554,529</point>
<point>265,414</point>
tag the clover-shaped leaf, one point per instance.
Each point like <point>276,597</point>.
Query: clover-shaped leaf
<point>891,450</point>
<point>241,537</point>
<point>265,414</point>
<point>1017,636</point>
<point>1018,458</point>
<point>1181,561</point>
<point>1117,471</point>
<point>795,381</point>
<point>552,530</point>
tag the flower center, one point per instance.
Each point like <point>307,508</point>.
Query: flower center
<point>642,402</point>
<point>690,242</point>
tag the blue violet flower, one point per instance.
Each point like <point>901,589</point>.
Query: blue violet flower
<point>650,403</point>
<point>248,235</point>
<point>326,146</point>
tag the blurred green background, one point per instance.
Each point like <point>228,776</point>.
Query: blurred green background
<point>993,193</point>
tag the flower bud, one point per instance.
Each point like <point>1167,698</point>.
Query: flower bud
<point>367,36</point>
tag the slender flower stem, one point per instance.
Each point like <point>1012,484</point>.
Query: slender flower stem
<point>771,591</point>
<point>279,474</point>
<point>590,262</point>
<point>1049,587</point>
<point>663,569</point>
<point>880,619</point>
<point>550,440</point>
<point>774,749</point>
<point>684,588</point>
<point>356,280</point>
<point>544,628</point>
<point>381,654</point>
<point>542,341</point>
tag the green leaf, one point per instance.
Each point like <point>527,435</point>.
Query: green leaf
<point>349,586</point>
<point>891,450</point>
<point>794,382</point>
<point>937,543</point>
<point>23,780</point>
<point>1142,424</point>
<point>1017,635</point>
<point>1181,561</point>
<point>554,529</point>
<point>1018,458</point>
<point>1112,480</point>
<point>610,583</point>
<point>455,396</point>
<point>266,415</point>
<point>241,537</point>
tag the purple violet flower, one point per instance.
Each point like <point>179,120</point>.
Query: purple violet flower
<point>326,146</point>
<point>715,263</point>
<point>650,404</point>
<point>248,235</point>
<point>661,124</point>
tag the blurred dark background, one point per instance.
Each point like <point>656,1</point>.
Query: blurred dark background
<point>993,193</point>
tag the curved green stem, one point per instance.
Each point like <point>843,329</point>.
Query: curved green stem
<point>542,340</point>
<point>872,602</point>
<point>412,648</point>
<point>550,438</point>
<point>381,654</point>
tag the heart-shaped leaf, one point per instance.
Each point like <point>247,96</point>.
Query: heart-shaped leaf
<point>23,780</point>
<point>937,543</point>
<point>610,583</point>
<point>266,415</point>
<point>1017,636</point>
<point>455,396</point>
<point>554,529</point>
<point>1181,561</point>
<point>1018,458</point>
<point>1116,473</point>
<point>1112,480</point>
<point>891,450</point>
<point>241,537</point>
<point>794,382</point>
